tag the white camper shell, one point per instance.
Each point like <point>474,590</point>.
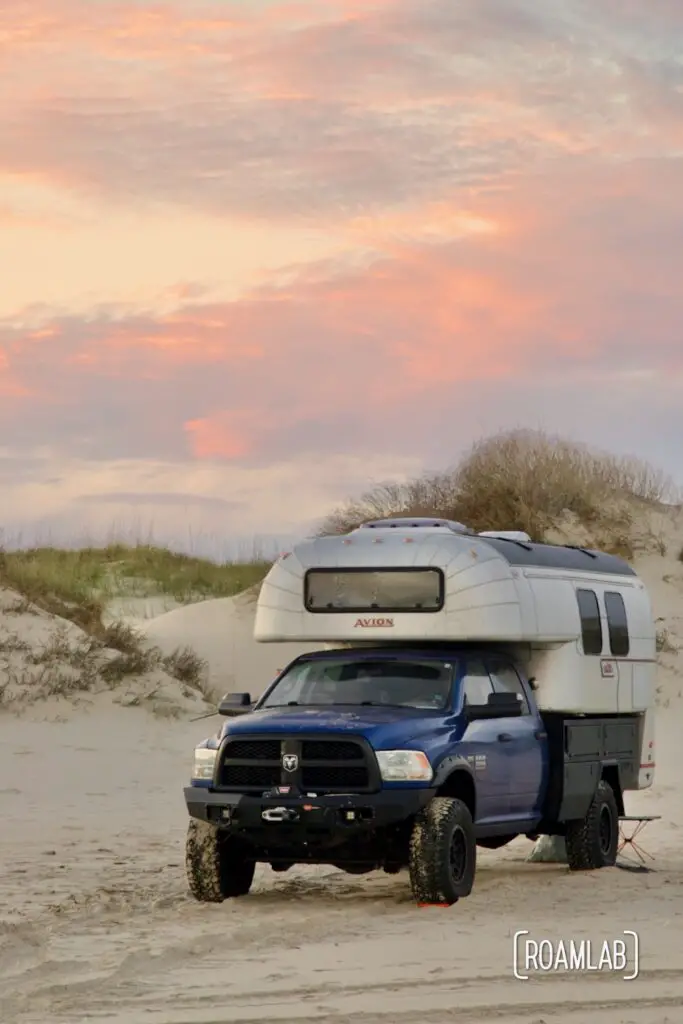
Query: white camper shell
<point>579,621</point>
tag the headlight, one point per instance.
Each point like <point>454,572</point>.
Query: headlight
<point>404,766</point>
<point>204,761</point>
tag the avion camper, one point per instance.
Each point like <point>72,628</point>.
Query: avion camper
<point>469,688</point>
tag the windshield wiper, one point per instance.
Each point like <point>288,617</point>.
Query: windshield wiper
<point>346,704</point>
<point>360,704</point>
<point>380,704</point>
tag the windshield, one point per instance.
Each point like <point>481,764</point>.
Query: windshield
<point>386,682</point>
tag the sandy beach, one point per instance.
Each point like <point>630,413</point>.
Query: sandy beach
<point>96,923</point>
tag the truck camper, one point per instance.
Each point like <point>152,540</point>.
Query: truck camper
<point>470,688</point>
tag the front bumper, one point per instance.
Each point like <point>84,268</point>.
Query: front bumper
<point>286,818</point>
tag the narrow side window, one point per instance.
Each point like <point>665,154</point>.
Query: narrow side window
<point>617,624</point>
<point>591,626</point>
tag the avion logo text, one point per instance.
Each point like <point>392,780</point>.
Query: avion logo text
<point>373,623</point>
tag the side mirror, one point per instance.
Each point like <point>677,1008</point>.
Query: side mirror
<point>506,703</point>
<point>498,705</point>
<point>235,704</point>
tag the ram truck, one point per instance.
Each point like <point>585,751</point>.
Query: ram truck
<point>385,759</point>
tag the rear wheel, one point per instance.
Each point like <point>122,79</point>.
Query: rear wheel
<point>217,865</point>
<point>443,852</point>
<point>592,842</point>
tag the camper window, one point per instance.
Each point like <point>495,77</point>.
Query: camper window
<point>591,624</point>
<point>617,624</point>
<point>506,680</point>
<point>365,590</point>
<point>390,682</point>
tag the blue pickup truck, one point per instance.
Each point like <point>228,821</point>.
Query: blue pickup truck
<point>380,758</point>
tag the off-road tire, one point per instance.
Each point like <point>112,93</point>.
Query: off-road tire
<point>433,876</point>
<point>592,842</point>
<point>217,865</point>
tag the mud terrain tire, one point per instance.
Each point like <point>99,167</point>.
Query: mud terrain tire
<point>443,852</point>
<point>592,842</point>
<point>217,865</point>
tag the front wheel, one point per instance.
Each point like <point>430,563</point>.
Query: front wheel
<point>593,841</point>
<point>443,852</point>
<point>217,865</point>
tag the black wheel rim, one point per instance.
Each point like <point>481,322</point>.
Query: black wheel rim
<point>458,854</point>
<point>605,830</point>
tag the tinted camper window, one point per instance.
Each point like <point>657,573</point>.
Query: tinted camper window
<point>374,590</point>
<point>591,626</point>
<point>617,624</point>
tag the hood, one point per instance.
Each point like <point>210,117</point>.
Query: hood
<point>380,726</point>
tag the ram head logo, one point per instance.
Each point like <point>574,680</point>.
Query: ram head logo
<point>290,762</point>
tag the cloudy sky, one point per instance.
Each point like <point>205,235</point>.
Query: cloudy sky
<point>256,255</point>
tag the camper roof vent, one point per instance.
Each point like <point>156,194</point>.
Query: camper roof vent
<point>518,535</point>
<point>416,523</point>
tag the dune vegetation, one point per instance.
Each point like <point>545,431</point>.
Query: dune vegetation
<point>77,584</point>
<point>74,587</point>
<point>523,480</point>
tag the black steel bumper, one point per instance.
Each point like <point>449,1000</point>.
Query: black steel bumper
<point>299,817</point>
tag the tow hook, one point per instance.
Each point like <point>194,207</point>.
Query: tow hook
<point>279,814</point>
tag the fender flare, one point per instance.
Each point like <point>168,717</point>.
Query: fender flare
<point>450,764</point>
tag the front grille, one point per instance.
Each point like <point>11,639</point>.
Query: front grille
<point>255,750</point>
<point>249,775</point>
<point>331,750</point>
<point>325,765</point>
<point>323,777</point>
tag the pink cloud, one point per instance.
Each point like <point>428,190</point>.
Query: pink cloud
<point>572,283</point>
<point>503,179</point>
<point>311,109</point>
<point>219,437</point>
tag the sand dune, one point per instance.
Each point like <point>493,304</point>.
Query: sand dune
<point>96,923</point>
<point>221,632</point>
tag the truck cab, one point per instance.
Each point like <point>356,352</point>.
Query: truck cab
<point>342,752</point>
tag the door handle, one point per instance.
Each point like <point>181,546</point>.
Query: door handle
<point>504,737</point>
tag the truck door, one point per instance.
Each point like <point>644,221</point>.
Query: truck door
<point>519,741</point>
<point>480,746</point>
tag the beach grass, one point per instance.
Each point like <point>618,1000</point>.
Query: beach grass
<point>77,584</point>
<point>522,480</point>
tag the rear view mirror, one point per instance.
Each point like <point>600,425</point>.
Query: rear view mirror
<point>235,704</point>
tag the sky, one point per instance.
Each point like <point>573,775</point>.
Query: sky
<point>257,256</point>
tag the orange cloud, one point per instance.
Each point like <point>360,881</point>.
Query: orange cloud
<point>217,438</point>
<point>331,109</point>
<point>10,387</point>
<point>551,281</point>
